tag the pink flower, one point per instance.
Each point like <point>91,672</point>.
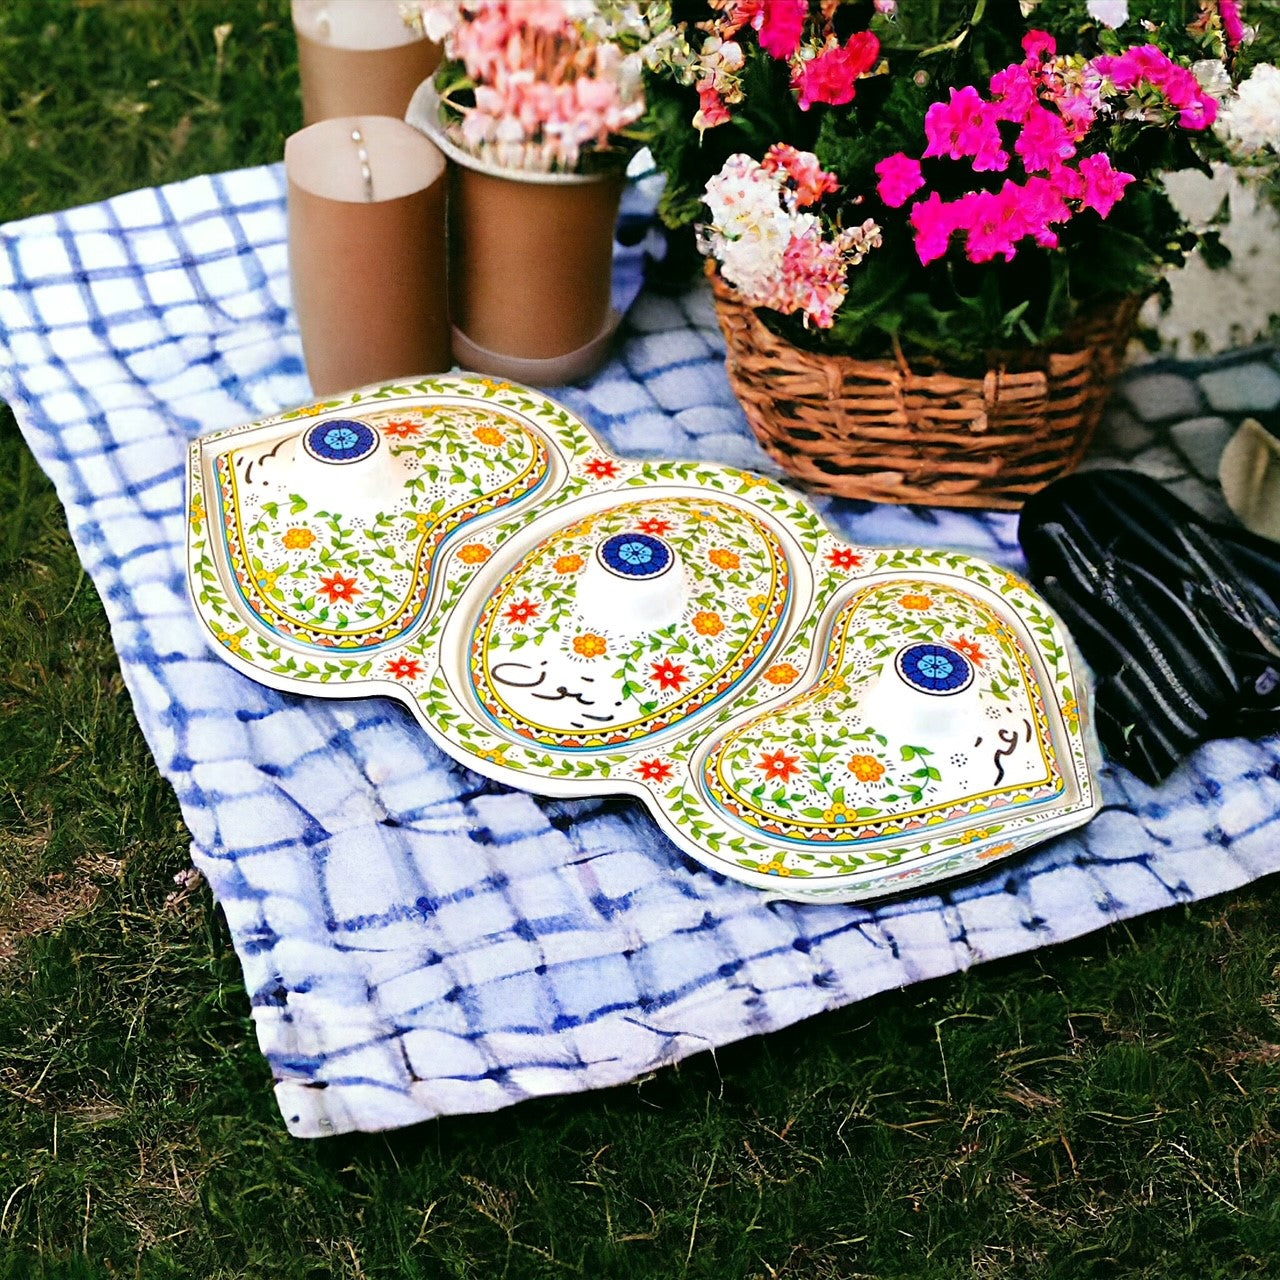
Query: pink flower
<point>1041,204</point>
<point>711,109</point>
<point>1146,64</point>
<point>832,76</point>
<point>1103,184</point>
<point>965,126</point>
<point>802,167</point>
<point>1038,45</point>
<point>900,179</point>
<point>1014,92</point>
<point>1232,26</point>
<point>1045,141</point>
<point>994,221</point>
<point>933,222</point>
<point>1078,112</point>
<point>780,24</point>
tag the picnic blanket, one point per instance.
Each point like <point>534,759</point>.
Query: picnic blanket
<point>416,940</point>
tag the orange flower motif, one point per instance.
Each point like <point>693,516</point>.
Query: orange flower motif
<point>654,770</point>
<point>568,564</point>
<point>997,850</point>
<point>658,528</point>
<point>404,668</point>
<point>866,768</point>
<point>779,766</point>
<point>590,645</point>
<point>781,673</point>
<point>971,650</point>
<point>521,611</point>
<point>401,428</point>
<point>844,558</point>
<point>474,553</point>
<point>337,588</point>
<point>298,539</point>
<point>911,601</point>
<point>668,675</point>
<point>723,559</point>
<point>489,435</point>
<point>706,623</point>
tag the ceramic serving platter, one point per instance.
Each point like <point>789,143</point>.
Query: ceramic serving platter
<point>823,721</point>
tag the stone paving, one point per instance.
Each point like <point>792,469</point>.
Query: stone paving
<point>1172,419</point>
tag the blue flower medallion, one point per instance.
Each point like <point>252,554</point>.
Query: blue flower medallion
<point>635,555</point>
<point>343,440</point>
<point>934,668</point>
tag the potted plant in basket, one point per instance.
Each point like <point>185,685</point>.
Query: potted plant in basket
<point>932,225</point>
<point>535,104</point>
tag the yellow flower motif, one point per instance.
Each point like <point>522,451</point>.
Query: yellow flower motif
<point>266,580</point>
<point>298,539</point>
<point>422,522</point>
<point>781,673</point>
<point>489,435</point>
<point>474,553</point>
<point>311,410</point>
<point>839,682</point>
<point>197,512</point>
<point>775,868</point>
<point>706,623</point>
<point>722,558</point>
<point>568,564</point>
<point>914,601</point>
<point>757,603</point>
<point>1071,714</point>
<point>232,642</point>
<point>589,645</point>
<point>866,768</point>
<point>495,756</point>
<point>838,813</point>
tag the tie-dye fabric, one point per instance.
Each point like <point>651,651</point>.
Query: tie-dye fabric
<point>416,940</point>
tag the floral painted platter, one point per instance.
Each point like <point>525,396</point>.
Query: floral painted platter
<point>823,721</point>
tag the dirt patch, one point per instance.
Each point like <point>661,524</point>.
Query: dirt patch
<point>29,907</point>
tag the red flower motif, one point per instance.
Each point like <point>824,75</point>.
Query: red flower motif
<point>602,469</point>
<point>404,668</point>
<point>336,588</point>
<point>668,675</point>
<point>971,650</point>
<point>522,611</point>
<point>655,770</point>
<point>655,526</point>
<point>778,765</point>
<point>843,558</point>
<point>401,428</point>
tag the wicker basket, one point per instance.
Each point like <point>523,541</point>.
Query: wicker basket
<point>882,430</point>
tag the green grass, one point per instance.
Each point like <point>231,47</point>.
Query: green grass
<point>1109,1108</point>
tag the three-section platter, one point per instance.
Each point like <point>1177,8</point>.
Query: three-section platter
<point>823,721</point>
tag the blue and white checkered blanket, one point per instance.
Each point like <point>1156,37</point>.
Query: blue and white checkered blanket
<point>416,940</point>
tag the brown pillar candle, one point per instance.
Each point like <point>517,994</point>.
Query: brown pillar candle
<point>367,251</point>
<point>358,57</point>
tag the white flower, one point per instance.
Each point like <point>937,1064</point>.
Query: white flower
<point>1212,76</point>
<point>434,18</point>
<point>1111,13</point>
<point>1250,119</point>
